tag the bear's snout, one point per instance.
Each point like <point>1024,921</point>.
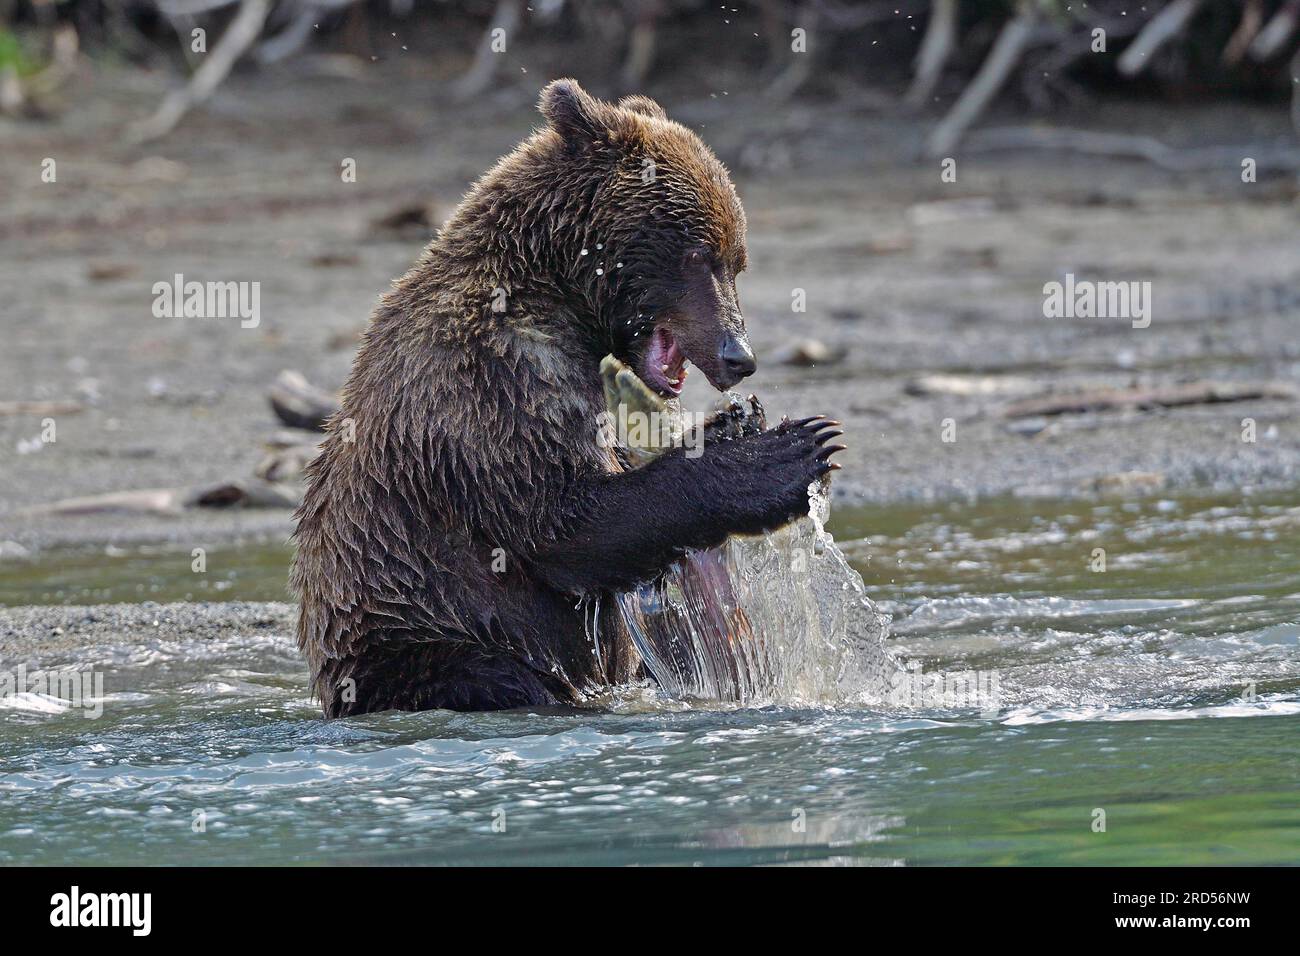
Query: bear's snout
<point>735,360</point>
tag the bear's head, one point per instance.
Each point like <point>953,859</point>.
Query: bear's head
<point>662,237</point>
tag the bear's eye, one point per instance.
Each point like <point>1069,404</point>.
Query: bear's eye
<point>702,260</point>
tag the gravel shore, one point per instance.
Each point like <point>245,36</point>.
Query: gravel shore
<point>49,635</point>
<point>904,276</point>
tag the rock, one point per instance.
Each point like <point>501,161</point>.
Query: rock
<point>1127,482</point>
<point>943,211</point>
<point>109,271</point>
<point>249,493</point>
<point>415,220</point>
<point>1028,427</point>
<point>12,549</point>
<point>287,465</point>
<point>299,404</point>
<point>807,353</point>
<point>335,260</point>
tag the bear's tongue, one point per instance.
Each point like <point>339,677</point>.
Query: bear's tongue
<point>665,365</point>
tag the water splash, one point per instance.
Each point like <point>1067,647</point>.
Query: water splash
<point>779,618</point>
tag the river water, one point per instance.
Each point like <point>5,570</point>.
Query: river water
<point>1146,713</point>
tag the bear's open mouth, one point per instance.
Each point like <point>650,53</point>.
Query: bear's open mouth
<point>664,365</point>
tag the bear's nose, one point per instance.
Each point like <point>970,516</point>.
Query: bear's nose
<point>737,359</point>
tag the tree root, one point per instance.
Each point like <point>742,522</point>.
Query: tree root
<point>1007,50</point>
<point>239,37</point>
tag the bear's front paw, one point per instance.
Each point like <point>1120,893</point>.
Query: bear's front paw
<point>784,461</point>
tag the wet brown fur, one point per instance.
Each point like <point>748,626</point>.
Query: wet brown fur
<point>461,514</point>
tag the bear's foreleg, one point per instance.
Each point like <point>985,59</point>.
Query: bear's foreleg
<point>632,526</point>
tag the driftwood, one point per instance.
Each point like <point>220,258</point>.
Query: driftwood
<point>1171,396</point>
<point>936,47</point>
<point>239,37</point>
<point>1126,146</point>
<point>1162,28</point>
<point>800,67</point>
<point>1010,46</point>
<point>1252,20</point>
<point>299,404</point>
<point>1277,33</point>
<point>968,386</point>
<point>641,44</point>
<point>300,29</point>
<point>291,39</point>
<point>41,408</point>
<point>479,75</point>
<point>1295,92</point>
<point>169,502</point>
<point>157,501</point>
<point>1050,71</point>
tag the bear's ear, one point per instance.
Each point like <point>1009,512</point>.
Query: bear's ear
<point>575,115</point>
<point>643,105</point>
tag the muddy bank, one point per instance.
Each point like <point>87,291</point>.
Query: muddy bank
<point>900,274</point>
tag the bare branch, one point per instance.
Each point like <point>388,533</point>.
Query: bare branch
<point>1252,18</point>
<point>1007,50</point>
<point>1168,396</point>
<point>1295,92</point>
<point>789,80</point>
<point>940,38</point>
<point>242,33</point>
<point>1162,28</point>
<point>1125,146</point>
<point>641,44</point>
<point>479,75</point>
<point>1280,29</point>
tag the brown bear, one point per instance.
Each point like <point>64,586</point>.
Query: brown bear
<point>463,515</point>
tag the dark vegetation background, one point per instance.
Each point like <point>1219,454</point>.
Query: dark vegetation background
<point>924,296</point>
<point>1045,50</point>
